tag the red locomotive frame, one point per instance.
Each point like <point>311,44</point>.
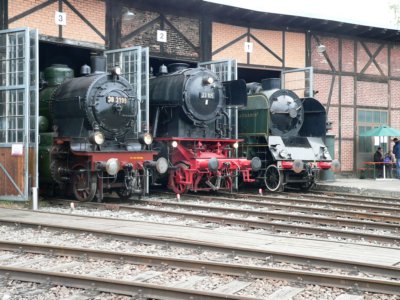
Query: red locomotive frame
<point>204,164</point>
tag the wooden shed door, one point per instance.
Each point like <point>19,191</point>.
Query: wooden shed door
<point>18,113</point>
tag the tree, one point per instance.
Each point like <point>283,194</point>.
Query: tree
<point>395,8</point>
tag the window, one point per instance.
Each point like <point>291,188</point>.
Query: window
<point>367,120</point>
<point>12,93</point>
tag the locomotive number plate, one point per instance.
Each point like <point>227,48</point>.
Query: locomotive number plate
<point>117,99</point>
<point>204,95</point>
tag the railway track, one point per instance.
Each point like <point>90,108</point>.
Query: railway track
<point>255,218</point>
<point>237,271</point>
<point>59,270</point>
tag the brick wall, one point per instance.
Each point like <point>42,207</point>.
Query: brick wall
<point>394,60</point>
<point>347,117</point>
<point>348,58</point>
<point>395,94</point>
<point>322,84</point>
<point>347,90</point>
<point>181,30</point>
<point>295,46</point>
<point>223,34</point>
<point>76,28</point>
<point>369,89</point>
<point>347,156</point>
<point>332,50</point>
<point>260,55</point>
<point>363,58</point>
<point>372,94</point>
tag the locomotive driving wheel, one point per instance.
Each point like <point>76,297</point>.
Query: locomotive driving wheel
<point>176,177</point>
<point>84,186</point>
<point>273,178</point>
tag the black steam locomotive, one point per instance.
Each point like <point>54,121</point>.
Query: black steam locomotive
<point>192,128</point>
<point>287,133</point>
<point>89,140</point>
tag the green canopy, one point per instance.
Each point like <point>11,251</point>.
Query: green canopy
<point>382,131</point>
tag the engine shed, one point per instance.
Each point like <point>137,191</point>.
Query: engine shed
<point>356,72</point>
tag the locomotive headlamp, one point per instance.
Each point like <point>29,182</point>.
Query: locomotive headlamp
<point>112,166</point>
<point>283,153</point>
<point>235,145</point>
<point>208,80</point>
<point>146,139</point>
<point>116,71</point>
<point>97,138</point>
<point>174,144</point>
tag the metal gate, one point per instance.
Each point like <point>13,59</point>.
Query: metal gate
<point>19,107</point>
<point>299,81</point>
<point>134,63</point>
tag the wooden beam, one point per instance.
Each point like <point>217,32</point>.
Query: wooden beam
<point>3,14</point>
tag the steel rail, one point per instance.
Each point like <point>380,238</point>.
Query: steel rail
<point>271,216</point>
<point>268,225</point>
<point>200,246</point>
<point>131,288</point>
<point>349,195</point>
<point>347,206</point>
<point>308,277</point>
<point>387,203</point>
<point>300,208</point>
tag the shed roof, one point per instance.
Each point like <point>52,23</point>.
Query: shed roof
<point>261,19</point>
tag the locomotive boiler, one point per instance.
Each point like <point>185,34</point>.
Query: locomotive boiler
<point>192,128</point>
<point>89,140</point>
<point>287,133</point>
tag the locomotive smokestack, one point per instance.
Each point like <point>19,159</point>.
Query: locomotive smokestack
<point>271,84</point>
<point>85,70</point>
<point>177,67</point>
<point>162,70</point>
<point>98,64</point>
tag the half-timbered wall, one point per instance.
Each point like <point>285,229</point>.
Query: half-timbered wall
<point>355,74</point>
<point>183,34</point>
<point>85,19</point>
<point>271,48</point>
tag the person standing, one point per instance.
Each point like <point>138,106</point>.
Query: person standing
<point>378,159</point>
<point>396,152</point>
<point>389,161</point>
